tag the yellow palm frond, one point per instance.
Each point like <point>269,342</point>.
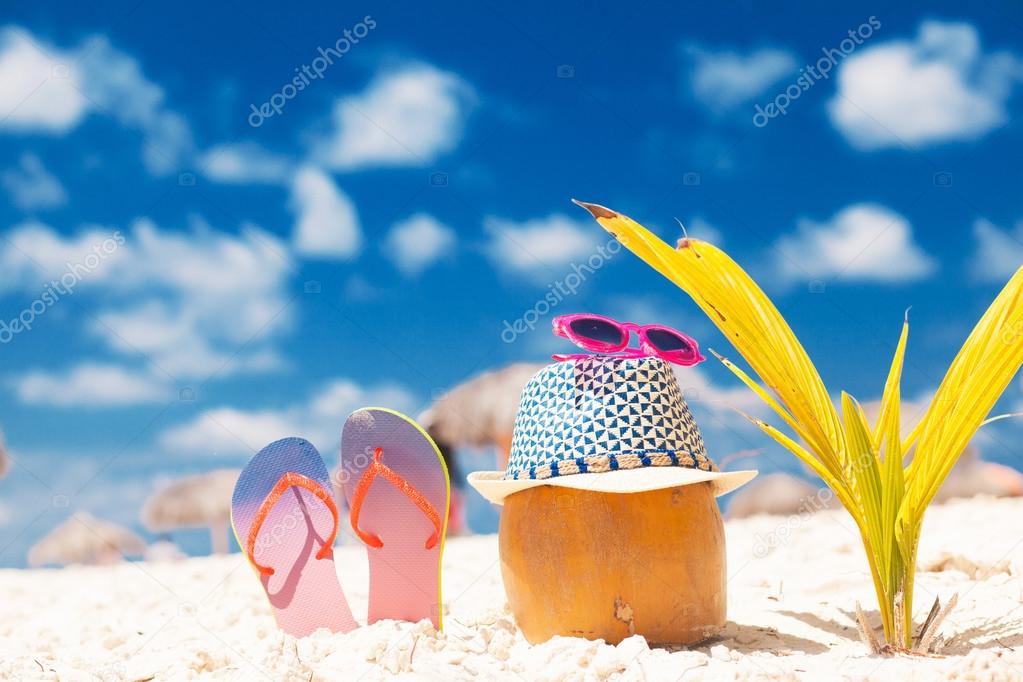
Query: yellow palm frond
<point>979,374</point>
<point>750,321</point>
<point>864,466</point>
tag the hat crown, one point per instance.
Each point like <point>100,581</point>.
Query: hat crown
<point>599,407</point>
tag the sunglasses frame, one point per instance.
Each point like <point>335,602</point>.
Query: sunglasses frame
<point>562,326</point>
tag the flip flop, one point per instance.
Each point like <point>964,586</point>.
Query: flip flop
<point>285,519</point>
<point>398,491</point>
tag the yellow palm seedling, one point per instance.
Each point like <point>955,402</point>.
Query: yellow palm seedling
<point>865,465</point>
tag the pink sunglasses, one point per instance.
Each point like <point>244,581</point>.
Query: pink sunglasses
<point>604,335</point>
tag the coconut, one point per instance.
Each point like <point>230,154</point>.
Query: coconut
<point>608,566</point>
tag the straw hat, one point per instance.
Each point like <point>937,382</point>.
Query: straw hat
<point>606,424</point>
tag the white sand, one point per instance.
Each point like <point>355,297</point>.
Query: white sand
<point>789,611</point>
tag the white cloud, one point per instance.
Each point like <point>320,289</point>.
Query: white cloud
<point>115,82</point>
<point>999,252</point>
<point>39,85</point>
<point>541,243</point>
<point>701,394</point>
<point>938,87</point>
<point>726,79</point>
<point>34,253</point>
<point>45,89</point>
<point>865,242</point>
<point>699,228</point>
<point>405,117</point>
<point>185,340</point>
<point>417,242</point>
<point>229,431</point>
<point>214,295</point>
<point>244,162</point>
<point>90,385</point>
<point>31,186</point>
<point>193,302</point>
<point>326,223</point>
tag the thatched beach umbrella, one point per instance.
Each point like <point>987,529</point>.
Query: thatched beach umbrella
<point>84,539</point>
<point>198,501</point>
<point>479,412</point>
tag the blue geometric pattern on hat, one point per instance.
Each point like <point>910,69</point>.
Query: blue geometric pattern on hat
<point>606,407</point>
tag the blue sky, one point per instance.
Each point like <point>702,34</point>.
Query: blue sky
<point>235,278</point>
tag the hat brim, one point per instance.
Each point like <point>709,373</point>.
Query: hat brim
<point>495,487</point>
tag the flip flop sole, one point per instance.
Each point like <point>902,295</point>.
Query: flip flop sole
<point>404,576</point>
<point>304,591</point>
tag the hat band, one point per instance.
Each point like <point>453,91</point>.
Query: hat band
<point>603,463</point>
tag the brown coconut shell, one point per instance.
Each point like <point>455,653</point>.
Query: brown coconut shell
<point>607,566</point>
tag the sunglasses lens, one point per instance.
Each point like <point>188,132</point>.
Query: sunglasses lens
<point>662,339</point>
<point>597,330</point>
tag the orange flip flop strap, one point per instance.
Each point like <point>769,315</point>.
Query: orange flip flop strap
<point>287,481</point>
<point>379,468</point>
